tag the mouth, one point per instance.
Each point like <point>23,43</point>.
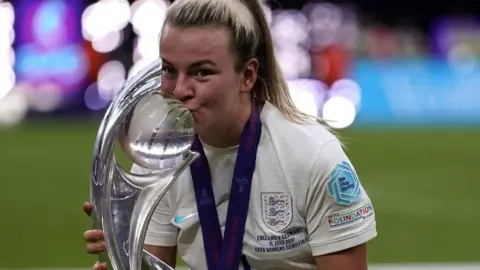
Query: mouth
<point>192,110</point>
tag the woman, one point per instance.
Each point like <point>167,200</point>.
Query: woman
<point>295,201</point>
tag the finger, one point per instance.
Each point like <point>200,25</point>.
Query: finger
<point>103,266</point>
<point>95,248</point>
<point>100,266</point>
<point>93,235</point>
<point>87,208</point>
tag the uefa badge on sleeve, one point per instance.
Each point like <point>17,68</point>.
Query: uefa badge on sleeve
<point>344,185</point>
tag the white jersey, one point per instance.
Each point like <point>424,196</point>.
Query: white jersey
<point>305,200</point>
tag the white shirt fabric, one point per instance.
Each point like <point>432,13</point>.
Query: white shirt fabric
<point>302,201</point>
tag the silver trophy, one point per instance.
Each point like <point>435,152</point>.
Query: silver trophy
<point>156,132</point>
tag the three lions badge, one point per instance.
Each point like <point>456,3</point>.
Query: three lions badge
<point>277,210</point>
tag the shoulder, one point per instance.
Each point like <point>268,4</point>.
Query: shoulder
<point>312,143</point>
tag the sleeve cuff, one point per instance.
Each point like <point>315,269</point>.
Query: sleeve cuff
<point>165,240</point>
<point>352,241</point>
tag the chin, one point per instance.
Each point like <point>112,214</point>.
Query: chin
<point>196,117</point>
<point>198,121</point>
<point>201,128</point>
<point>202,125</point>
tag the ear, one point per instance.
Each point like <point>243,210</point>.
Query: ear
<point>249,75</point>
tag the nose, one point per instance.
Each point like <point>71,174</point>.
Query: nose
<point>183,90</point>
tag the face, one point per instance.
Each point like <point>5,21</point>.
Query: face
<point>198,68</point>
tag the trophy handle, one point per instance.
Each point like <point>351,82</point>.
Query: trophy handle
<point>104,167</point>
<point>154,263</point>
<point>143,210</point>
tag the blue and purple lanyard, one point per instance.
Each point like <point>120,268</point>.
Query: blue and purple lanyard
<point>225,253</point>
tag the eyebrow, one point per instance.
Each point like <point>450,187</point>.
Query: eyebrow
<point>194,64</point>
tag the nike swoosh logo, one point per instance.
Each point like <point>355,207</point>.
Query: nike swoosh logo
<point>180,219</point>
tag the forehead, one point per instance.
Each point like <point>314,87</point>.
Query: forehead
<point>183,45</point>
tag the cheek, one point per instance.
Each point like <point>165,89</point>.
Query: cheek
<point>168,86</point>
<point>217,94</point>
<point>206,94</point>
<point>223,89</point>
<point>204,102</point>
<point>211,101</point>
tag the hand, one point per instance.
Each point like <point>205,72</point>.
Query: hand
<point>94,239</point>
<point>100,266</point>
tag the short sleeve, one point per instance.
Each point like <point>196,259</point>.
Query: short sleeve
<point>160,231</point>
<point>339,213</point>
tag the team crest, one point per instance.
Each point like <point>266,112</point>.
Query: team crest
<point>344,185</point>
<point>277,210</point>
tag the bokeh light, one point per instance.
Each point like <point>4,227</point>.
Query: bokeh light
<point>339,112</point>
<point>7,60</point>
<point>115,39</point>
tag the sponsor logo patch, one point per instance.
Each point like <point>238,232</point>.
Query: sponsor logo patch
<point>344,219</point>
<point>344,185</point>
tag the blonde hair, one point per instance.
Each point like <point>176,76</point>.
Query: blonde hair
<point>251,38</point>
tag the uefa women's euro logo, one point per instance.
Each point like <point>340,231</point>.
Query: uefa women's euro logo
<point>344,185</point>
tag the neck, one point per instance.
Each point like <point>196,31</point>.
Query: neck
<point>229,134</point>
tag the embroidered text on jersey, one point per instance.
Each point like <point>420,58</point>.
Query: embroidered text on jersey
<point>282,242</point>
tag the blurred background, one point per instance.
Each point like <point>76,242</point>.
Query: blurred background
<point>398,80</point>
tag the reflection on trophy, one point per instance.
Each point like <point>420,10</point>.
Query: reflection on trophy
<point>156,132</point>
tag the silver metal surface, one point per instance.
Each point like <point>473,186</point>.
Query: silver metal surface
<point>156,132</point>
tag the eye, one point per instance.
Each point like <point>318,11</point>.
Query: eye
<point>203,73</point>
<point>168,71</point>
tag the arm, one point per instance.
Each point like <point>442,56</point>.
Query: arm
<point>339,214</point>
<point>354,258</point>
<point>161,236</point>
<point>166,254</point>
